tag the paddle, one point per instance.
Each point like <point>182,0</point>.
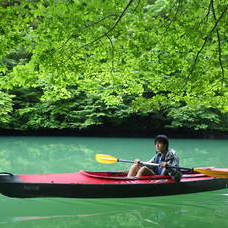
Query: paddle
<point>108,159</point>
<point>213,172</point>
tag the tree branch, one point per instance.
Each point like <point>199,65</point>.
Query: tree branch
<point>179,3</point>
<point>112,28</point>
<point>219,45</point>
<point>207,38</point>
<point>103,35</point>
<point>112,51</point>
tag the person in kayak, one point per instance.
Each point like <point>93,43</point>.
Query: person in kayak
<point>164,156</point>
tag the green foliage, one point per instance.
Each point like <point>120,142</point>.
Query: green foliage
<point>77,112</point>
<point>86,62</point>
<point>197,118</point>
<point>5,108</point>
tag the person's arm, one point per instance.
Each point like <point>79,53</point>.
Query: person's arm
<point>171,159</point>
<point>153,159</point>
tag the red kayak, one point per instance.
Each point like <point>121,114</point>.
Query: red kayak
<point>87,184</point>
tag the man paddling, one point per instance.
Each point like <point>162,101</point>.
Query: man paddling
<point>164,156</point>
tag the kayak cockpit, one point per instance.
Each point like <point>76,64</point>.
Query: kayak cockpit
<point>118,175</point>
<point>122,175</point>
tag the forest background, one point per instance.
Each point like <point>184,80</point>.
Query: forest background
<point>114,66</point>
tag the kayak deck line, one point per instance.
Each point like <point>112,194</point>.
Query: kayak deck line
<point>98,177</point>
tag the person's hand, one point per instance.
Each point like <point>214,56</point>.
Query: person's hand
<point>137,162</point>
<point>164,164</point>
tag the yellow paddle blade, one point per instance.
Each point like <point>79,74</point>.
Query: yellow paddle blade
<point>106,159</point>
<point>213,172</point>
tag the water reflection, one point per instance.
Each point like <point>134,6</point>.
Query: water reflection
<point>202,152</point>
<point>42,155</point>
<point>197,210</point>
<point>68,154</point>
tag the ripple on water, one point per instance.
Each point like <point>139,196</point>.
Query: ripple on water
<point>199,210</point>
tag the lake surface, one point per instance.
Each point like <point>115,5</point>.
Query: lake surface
<point>71,154</point>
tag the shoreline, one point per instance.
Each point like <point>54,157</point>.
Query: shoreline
<point>117,132</point>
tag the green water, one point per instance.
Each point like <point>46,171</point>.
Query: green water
<point>71,154</point>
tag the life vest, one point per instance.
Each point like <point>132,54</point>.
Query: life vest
<point>170,157</point>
